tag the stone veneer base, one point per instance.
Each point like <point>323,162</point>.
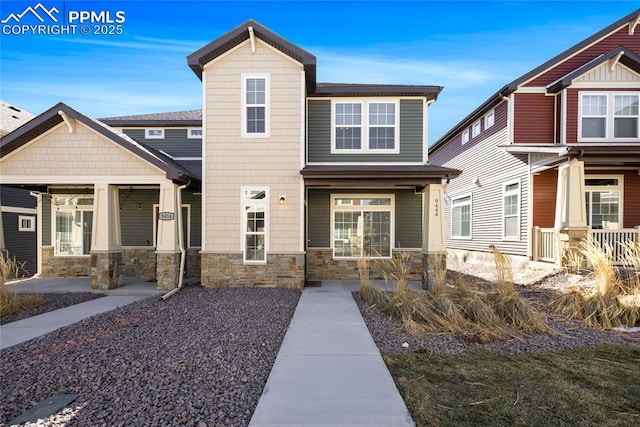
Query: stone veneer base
<point>228,269</point>
<point>59,266</point>
<point>322,266</point>
<point>434,266</point>
<point>167,270</point>
<point>106,270</point>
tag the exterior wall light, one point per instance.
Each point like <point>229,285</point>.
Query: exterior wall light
<point>282,200</point>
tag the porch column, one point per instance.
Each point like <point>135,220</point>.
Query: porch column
<point>434,245</point>
<point>571,211</point>
<point>106,242</point>
<point>167,244</point>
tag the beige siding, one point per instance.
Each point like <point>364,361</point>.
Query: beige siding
<point>233,161</point>
<point>603,74</point>
<point>82,153</point>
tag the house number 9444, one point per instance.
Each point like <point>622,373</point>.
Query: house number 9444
<point>436,207</point>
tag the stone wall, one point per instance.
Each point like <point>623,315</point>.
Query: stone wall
<point>53,266</point>
<point>106,270</point>
<point>227,269</point>
<point>167,270</point>
<point>322,266</point>
<point>139,261</point>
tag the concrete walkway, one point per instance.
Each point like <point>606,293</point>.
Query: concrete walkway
<point>23,330</point>
<point>329,371</point>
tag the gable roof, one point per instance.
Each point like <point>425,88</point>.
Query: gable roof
<point>511,87</point>
<point>240,34</point>
<point>12,117</point>
<point>52,118</point>
<point>168,119</point>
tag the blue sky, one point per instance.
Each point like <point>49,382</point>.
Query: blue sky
<point>472,48</point>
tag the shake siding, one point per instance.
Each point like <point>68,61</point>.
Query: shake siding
<point>618,38</point>
<point>493,167</point>
<point>544,198</point>
<point>408,216</point>
<point>83,153</point>
<point>175,142</point>
<point>233,161</point>
<point>411,135</point>
<point>533,118</point>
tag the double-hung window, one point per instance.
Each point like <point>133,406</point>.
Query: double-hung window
<point>362,226</point>
<point>609,116</point>
<point>476,129</point>
<point>461,217</point>
<point>603,201</point>
<point>370,127</point>
<point>489,119</point>
<point>511,210</point>
<point>72,225</point>
<point>255,111</point>
<point>255,211</point>
<point>465,136</point>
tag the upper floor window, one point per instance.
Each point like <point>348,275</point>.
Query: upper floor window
<point>194,133</point>
<point>465,136</point>
<point>255,110</point>
<point>489,119</point>
<point>475,130</point>
<point>365,127</point>
<point>609,115</point>
<point>154,133</point>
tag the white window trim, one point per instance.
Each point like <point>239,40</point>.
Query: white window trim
<point>243,221</point>
<point>364,134</point>
<point>465,136</point>
<point>32,223</point>
<point>470,203</point>
<point>187,238</point>
<point>267,110</point>
<point>377,208</point>
<point>147,133</point>
<point>491,114</point>
<point>476,125</point>
<point>609,119</point>
<point>54,208</point>
<point>506,193</point>
<point>619,187</point>
<point>189,136</point>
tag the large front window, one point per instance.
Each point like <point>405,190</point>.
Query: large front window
<point>365,127</point>
<point>362,226</point>
<point>255,204</point>
<point>72,226</point>
<point>609,115</point>
<point>602,197</point>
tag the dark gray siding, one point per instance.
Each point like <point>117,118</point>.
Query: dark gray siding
<point>136,216</point>
<point>46,220</point>
<point>20,244</point>
<point>195,201</point>
<point>175,142</point>
<point>411,135</point>
<point>408,216</point>
<point>17,197</point>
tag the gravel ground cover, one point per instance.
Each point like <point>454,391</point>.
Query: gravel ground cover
<point>54,302</point>
<point>389,335</point>
<point>200,358</point>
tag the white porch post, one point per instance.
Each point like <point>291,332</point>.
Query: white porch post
<point>434,245</point>
<point>167,243</point>
<point>571,211</point>
<point>106,242</point>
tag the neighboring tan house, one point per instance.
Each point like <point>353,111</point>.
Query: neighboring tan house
<point>281,179</point>
<point>19,220</point>
<point>554,155</point>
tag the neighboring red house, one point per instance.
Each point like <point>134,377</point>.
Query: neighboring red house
<point>552,156</point>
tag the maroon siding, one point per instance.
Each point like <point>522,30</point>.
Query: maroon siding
<point>533,118</point>
<point>544,198</point>
<point>631,211</point>
<point>454,147</point>
<point>572,110</point>
<point>619,38</point>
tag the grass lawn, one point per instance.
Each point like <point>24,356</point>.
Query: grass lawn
<point>596,386</point>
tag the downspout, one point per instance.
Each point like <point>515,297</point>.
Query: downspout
<point>183,251</point>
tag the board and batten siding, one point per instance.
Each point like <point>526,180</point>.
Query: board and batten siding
<point>233,161</point>
<point>407,214</point>
<point>492,167</point>
<point>411,138</point>
<point>175,142</point>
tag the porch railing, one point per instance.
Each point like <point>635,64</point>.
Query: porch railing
<point>545,245</point>
<point>614,238</point>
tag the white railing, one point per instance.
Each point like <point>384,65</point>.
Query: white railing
<point>545,244</point>
<point>614,238</point>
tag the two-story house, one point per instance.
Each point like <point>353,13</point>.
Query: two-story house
<point>552,156</point>
<point>279,180</point>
